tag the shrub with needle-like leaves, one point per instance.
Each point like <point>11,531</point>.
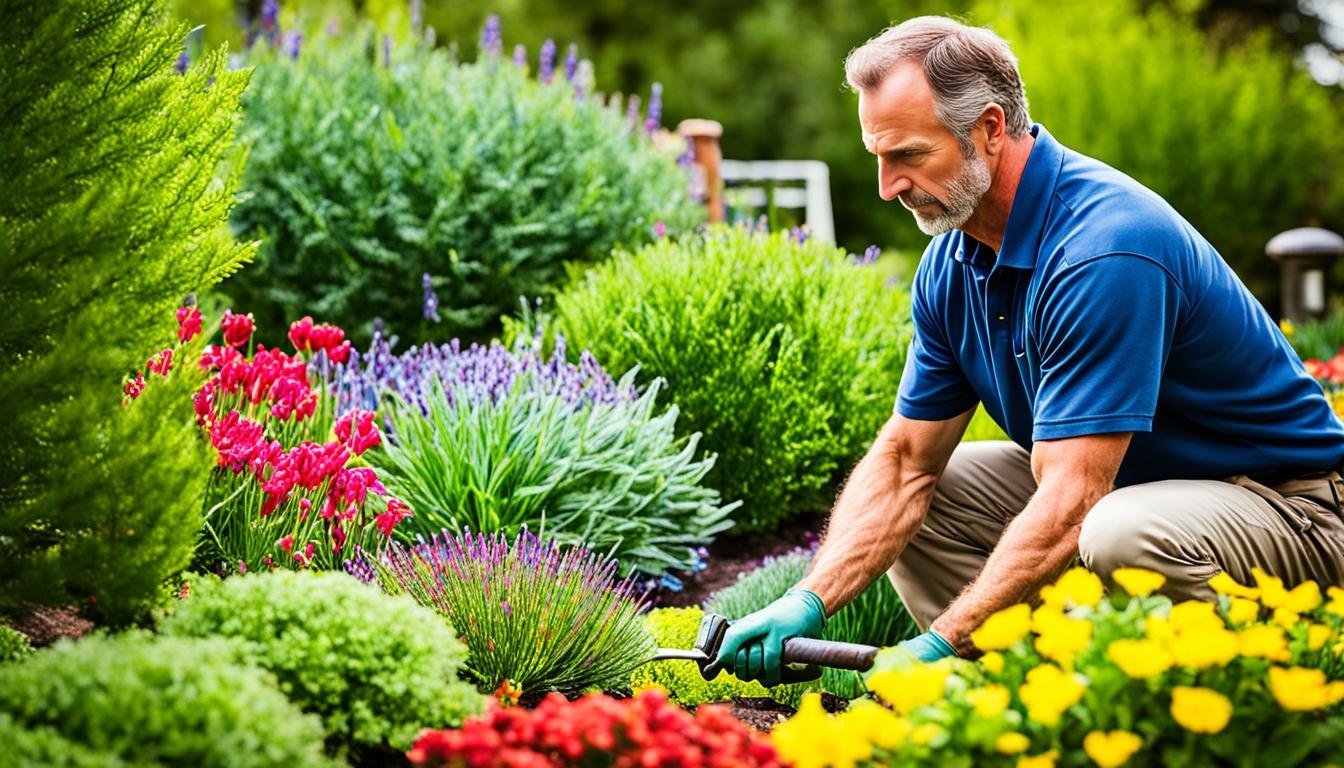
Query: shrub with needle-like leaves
<point>531,613</point>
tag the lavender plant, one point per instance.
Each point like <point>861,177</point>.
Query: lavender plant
<point>532,613</point>
<point>493,439</point>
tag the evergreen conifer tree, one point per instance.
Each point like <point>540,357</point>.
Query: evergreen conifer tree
<point>113,210</point>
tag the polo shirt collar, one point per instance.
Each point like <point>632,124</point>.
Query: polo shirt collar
<point>1031,203</point>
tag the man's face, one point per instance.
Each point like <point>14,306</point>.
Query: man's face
<point>919,161</point>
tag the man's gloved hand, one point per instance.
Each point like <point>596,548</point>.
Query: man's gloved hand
<point>752,646</point>
<point>929,646</point>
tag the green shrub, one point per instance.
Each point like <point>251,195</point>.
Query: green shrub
<point>47,748</point>
<point>111,215</point>
<point>677,628</point>
<point>14,645</point>
<point>552,447</point>
<point>362,177</point>
<point>147,701</point>
<point>1320,339</point>
<point>534,616</point>
<point>375,668</point>
<point>786,356</point>
<point>875,617</point>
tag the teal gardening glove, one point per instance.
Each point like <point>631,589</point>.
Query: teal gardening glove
<point>752,646</point>
<point>929,647</point>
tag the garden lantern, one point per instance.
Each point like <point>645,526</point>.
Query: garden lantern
<point>1304,257</point>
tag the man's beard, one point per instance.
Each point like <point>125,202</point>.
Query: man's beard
<point>963,195</point>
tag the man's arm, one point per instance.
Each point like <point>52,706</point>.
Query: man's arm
<point>882,505</point>
<point>1072,475</point>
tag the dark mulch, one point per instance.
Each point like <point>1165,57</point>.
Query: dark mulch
<point>45,625</point>
<point>764,714</point>
<point>734,554</point>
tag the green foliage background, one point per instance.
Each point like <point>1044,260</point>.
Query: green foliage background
<point>786,357</point>
<point>376,668</point>
<point>135,699</point>
<point>112,213</point>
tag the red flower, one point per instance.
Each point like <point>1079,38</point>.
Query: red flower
<point>237,328</point>
<point>188,323</point>
<point>132,388</point>
<point>357,430</point>
<point>161,362</point>
<point>307,337</point>
<point>298,333</point>
<point>286,543</point>
<point>397,510</point>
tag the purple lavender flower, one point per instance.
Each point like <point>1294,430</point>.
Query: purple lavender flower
<point>632,110</point>
<point>546,62</point>
<point>655,118</point>
<point>293,43</point>
<point>572,62</point>
<point>270,19</point>
<point>799,234</point>
<point>520,55</point>
<point>869,256</point>
<point>387,51</point>
<point>431,300</point>
<point>183,61</point>
<point>492,40</point>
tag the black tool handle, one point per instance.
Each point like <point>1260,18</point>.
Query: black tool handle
<point>829,653</point>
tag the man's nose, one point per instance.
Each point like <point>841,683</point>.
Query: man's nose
<point>890,184</point>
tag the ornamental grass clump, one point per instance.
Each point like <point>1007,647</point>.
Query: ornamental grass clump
<point>598,731</point>
<point>288,490</point>
<point>1256,678</point>
<point>534,615</point>
<point>377,669</point>
<point>370,165</point>
<point>490,438</point>
<point>876,617</point>
<point>138,700</point>
<point>785,355</point>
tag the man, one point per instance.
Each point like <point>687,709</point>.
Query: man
<point>1158,417</point>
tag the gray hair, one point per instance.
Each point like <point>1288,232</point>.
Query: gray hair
<point>967,68</point>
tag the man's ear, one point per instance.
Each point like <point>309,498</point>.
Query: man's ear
<point>993,122</point>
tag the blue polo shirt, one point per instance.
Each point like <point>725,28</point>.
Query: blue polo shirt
<point>1105,311</point>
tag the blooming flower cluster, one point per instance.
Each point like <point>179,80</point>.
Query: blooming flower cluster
<point>598,731</point>
<point>531,613</point>
<point>161,362</point>
<point>287,500</point>
<point>1253,679</point>
<point>1330,374</point>
<point>476,373</point>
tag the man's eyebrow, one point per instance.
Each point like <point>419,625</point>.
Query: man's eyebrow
<point>911,147</point>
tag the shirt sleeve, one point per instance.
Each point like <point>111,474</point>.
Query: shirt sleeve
<point>1105,330</point>
<point>933,386</point>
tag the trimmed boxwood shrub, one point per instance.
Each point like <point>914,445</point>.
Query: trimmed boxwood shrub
<point>143,700</point>
<point>363,174</point>
<point>786,356</point>
<point>375,668</point>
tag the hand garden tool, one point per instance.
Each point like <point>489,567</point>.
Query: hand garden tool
<point>802,658</point>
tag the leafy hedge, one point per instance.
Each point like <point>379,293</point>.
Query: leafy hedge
<point>786,356</point>
<point>364,174</point>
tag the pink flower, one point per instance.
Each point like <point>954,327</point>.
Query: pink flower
<point>132,388</point>
<point>307,337</point>
<point>216,357</point>
<point>237,439</point>
<point>188,323</point>
<point>306,556</point>
<point>397,510</point>
<point>298,333</point>
<point>357,430</point>
<point>286,543</point>
<point>337,537</point>
<point>161,362</point>
<point>237,328</point>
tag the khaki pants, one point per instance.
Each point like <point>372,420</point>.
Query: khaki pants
<point>1188,530</point>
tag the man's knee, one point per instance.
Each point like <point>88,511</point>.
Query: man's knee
<point>1126,528</point>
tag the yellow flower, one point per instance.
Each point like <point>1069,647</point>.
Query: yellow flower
<point>990,701</point>
<point>866,720</point>
<point>1287,327</point>
<point>1302,598</point>
<point>1194,615</point>
<point>1003,629</point>
<point>1011,743</point>
<point>992,662</point>
<point>1113,749</point>
<point>1224,584</point>
<point>1272,593</point>
<point>1062,638</point>
<point>926,734</point>
<point>1264,641</point>
<point>1336,604</point>
<point>1158,628</point>
<point>1242,611</point>
<point>1201,648</point>
<point>1140,659</point>
<point>1078,586</point>
<point>1043,760</point>
<point>907,689</point>
<point>1299,689</point>
<point>1138,582</point>
<point>1317,636</point>
<point>1200,710</point>
<point>1048,691</point>
<point>813,739</point>
<point>648,686</point>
